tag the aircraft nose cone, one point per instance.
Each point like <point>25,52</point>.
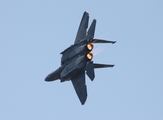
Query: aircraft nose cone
<point>48,78</point>
<point>52,76</point>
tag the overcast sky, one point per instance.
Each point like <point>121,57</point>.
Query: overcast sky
<point>34,32</point>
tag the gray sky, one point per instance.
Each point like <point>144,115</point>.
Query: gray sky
<point>34,32</point>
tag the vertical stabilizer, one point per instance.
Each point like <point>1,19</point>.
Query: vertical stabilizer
<point>90,70</point>
<point>91,31</point>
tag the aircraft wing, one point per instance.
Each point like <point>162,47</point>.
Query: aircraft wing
<point>81,34</point>
<point>78,82</point>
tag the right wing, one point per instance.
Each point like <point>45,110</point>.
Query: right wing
<point>81,34</point>
<point>80,87</point>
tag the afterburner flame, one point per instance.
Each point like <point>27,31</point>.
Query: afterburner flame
<point>89,56</point>
<point>90,46</point>
<point>97,51</point>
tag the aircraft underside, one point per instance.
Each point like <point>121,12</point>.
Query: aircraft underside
<point>76,60</point>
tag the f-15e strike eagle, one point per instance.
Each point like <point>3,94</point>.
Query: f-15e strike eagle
<point>77,59</point>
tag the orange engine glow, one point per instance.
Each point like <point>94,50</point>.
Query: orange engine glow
<point>90,46</point>
<point>89,56</point>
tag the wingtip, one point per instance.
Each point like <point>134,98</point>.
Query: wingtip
<point>83,102</point>
<point>86,13</point>
<point>114,42</point>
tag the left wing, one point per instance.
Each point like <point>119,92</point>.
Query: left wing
<point>81,34</point>
<point>80,87</point>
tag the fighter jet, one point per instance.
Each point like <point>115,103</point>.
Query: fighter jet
<point>76,60</point>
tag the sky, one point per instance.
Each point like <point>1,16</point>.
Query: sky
<point>34,32</point>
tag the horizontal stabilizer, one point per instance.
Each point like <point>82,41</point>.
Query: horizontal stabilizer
<point>102,41</point>
<point>102,65</point>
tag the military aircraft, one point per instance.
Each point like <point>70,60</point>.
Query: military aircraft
<point>76,60</point>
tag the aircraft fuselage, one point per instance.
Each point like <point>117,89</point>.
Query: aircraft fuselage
<point>73,60</point>
<point>76,60</point>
